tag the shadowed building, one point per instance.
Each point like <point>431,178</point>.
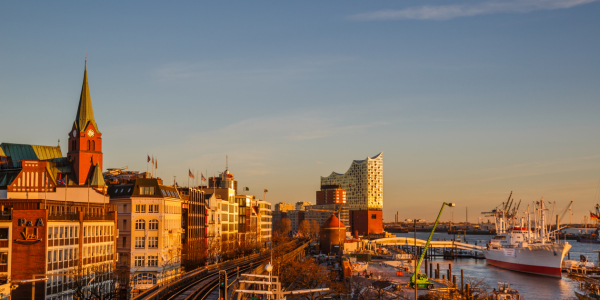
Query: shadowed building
<point>332,233</point>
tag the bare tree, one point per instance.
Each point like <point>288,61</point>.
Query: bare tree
<point>314,229</point>
<point>305,273</point>
<point>285,226</point>
<point>99,282</point>
<point>304,228</point>
<point>479,287</point>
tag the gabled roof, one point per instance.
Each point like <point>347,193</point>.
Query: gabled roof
<point>85,111</point>
<point>8,176</point>
<point>97,178</point>
<point>19,152</point>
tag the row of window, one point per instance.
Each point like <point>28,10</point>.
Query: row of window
<point>61,232</point>
<point>140,242</point>
<point>140,261</point>
<point>98,250</point>
<point>144,278</point>
<point>141,224</point>
<point>63,255</point>
<point>141,208</point>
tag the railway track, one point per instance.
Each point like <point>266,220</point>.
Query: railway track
<point>198,283</point>
<point>202,287</point>
<point>195,283</point>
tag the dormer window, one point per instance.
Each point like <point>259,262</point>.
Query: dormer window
<point>147,190</point>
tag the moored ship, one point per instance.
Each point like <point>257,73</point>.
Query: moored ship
<point>524,244</point>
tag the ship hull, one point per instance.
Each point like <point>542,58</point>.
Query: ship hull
<point>535,259</point>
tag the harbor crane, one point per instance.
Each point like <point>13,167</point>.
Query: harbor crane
<point>569,209</point>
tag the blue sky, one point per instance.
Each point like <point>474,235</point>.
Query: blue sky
<point>468,100</point>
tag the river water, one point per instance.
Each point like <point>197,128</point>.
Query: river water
<point>529,286</point>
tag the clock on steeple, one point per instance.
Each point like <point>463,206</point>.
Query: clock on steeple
<point>85,141</point>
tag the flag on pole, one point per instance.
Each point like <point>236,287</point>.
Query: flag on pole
<point>247,189</point>
<point>156,164</point>
<point>202,177</point>
<point>148,158</point>
<point>191,174</point>
<point>266,191</point>
<point>61,181</point>
<point>594,217</point>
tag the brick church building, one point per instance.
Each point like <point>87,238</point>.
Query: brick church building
<point>57,227</point>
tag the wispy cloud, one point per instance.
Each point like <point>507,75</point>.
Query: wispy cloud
<point>447,12</point>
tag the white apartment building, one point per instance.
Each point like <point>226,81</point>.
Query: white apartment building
<point>222,222</point>
<point>149,223</point>
<point>363,183</point>
<point>266,221</point>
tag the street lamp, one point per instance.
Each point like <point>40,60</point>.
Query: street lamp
<point>415,243</point>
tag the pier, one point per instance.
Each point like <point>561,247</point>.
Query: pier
<point>406,241</point>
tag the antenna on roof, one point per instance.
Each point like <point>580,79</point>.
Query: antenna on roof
<point>226,163</point>
<point>58,142</point>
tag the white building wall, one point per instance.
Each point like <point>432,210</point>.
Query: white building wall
<point>363,183</point>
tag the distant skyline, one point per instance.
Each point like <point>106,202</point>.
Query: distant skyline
<point>468,100</point>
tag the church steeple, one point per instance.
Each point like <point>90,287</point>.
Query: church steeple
<point>85,112</point>
<point>85,141</point>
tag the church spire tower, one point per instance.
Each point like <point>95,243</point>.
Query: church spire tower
<point>85,140</point>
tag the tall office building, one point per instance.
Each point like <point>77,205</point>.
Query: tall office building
<point>363,183</point>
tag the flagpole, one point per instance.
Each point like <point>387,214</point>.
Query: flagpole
<point>147,161</point>
<point>66,185</point>
<point>45,192</point>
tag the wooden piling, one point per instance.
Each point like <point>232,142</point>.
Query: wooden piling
<point>454,280</point>
<point>431,269</point>
<point>462,281</point>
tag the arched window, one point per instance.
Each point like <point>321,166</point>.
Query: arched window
<point>88,145</point>
<point>153,224</point>
<point>145,278</point>
<point>140,225</point>
<point>73,145</point>
<point>93,145</point>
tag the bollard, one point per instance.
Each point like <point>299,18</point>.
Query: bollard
<point>454,280</point>
<point>431,269</point>
<point>438,268</point>
<point>443,277</point>
<point>467,290</point>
